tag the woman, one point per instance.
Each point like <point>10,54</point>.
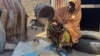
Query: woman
<point>65,29</point>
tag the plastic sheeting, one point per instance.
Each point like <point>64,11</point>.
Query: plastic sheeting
<point>32,49</point>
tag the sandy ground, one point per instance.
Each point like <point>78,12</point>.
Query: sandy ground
<point>32,33</point>
<point>6,53</point>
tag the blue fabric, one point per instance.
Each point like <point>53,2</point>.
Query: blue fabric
<point>32,54</point>
<point>61,51</point>
<point>52,46</point>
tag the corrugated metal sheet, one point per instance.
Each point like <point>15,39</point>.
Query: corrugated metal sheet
<point>14,20</point>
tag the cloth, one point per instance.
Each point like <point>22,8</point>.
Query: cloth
<point>71,21</point>
<point>58,36</point>
<point>14,20</point>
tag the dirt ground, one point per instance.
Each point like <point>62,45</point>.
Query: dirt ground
<point>6,53</point>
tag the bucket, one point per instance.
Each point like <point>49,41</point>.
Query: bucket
<point>44,11</point>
